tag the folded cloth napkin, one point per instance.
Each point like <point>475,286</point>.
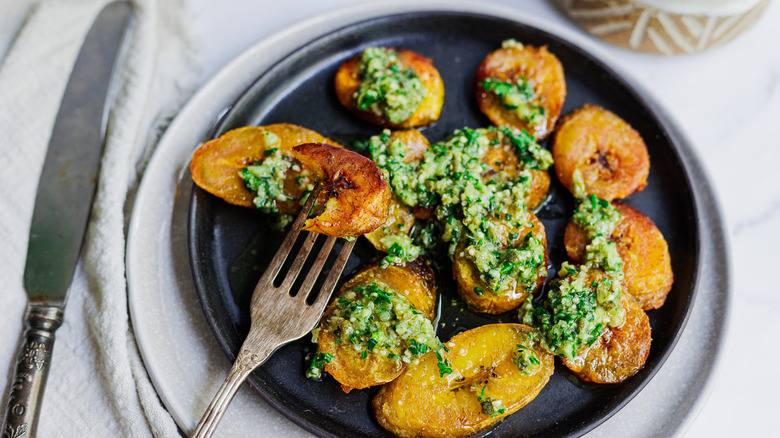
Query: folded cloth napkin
<point>97,385</point>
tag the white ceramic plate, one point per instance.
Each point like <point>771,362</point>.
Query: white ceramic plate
<point>182,357</point>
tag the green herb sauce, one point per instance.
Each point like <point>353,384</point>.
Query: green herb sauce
<point>525,358</point>
<point>376,320</point>
<point>317,364</point>
<point>387,87</point>
<point>518,96</point>
<point>400,249</point>
<point>266,179</point>
<point>473,206</point>
<point>585,300</point>
<point>490,406</point>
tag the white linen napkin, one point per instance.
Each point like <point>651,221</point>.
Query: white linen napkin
<point>97,385</point>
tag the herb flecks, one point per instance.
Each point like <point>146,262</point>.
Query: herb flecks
<point>317,365</point>
<point>519,97</point>
<point>525,358</point>
<point>585,300</point>
<point>267,178</point>
<point>445,367</point>
<point>387,87</point>
<point>489,405</point>
<point>376,320</point>
<point>474,205</point>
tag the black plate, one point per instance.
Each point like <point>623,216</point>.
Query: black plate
<point>229,246</point>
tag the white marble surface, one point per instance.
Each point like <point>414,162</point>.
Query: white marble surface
<point>727,101</point>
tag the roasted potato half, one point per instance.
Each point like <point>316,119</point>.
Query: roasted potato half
<point>610,155</point>
<point>535,102</point>
<point>494,372</point>
<point>401,217</point>
<point>478,295</point>
<point>415,281</point>
<point>620,352</point>
<point>357,195</point>
<point>216,164</point>
<point>646,263</point>
<point>349,79</point>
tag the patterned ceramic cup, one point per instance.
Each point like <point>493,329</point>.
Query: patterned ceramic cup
<point>667,27</point>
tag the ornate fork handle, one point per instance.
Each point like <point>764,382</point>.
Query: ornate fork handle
<point>247,361</point>
<point>32,368</point>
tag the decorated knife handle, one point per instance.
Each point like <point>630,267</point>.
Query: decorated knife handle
<point>32,368</point>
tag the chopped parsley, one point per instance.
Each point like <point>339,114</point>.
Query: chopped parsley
<point>388,88</point>
<point>400,249</point>
<point>267,180</point>
<point>584,300</point>
<point>466,197</point>
<point>490,406</point>
<point>525,358</point>
<point>317,365</point>
<point>376,320</point>
<point>445,367</point>
<point>518,96</point>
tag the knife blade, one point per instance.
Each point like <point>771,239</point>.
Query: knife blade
<point>63,203</point>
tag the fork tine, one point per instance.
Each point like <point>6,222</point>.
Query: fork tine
<point>279,319</point>
<point>284,250</point>
<point>316,268</point>
<point>334,274</point>
<point>298,262</point>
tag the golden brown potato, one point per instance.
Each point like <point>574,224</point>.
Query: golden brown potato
<point>502,157</point>
<point>415,281</point>
<point>470,285</point>
<point>620,352</point>
<point>610,155</point>
<point>488,382</point>
<point>216,164</point>
<point>401,217</point>
<point>643,249</point>
<point>358,197</point>
<point>348,80</point>
<point>540,68</point>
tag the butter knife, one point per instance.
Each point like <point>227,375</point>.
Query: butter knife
<point>62,206</point>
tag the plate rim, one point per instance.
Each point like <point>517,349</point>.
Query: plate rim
<point>351,15</point>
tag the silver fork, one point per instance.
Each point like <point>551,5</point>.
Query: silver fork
<point>277,317</point>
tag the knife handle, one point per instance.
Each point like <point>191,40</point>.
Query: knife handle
<point>32,368</point>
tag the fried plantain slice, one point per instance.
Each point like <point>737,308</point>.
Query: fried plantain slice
<point>646,263</point>
<point>400,220</point>
<point>522,87</point>
<point>478,295</point>
<point>501,156</point>
<point>406,91</point>
<point>357,195</point>
<point>401,217</point>
<point>415,282</point>
<point>489,372</point>
<point>217,163</point>
<point>610,155</point>
<point>620,352</point>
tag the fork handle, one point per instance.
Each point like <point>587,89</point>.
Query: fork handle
<point>246,362</point>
